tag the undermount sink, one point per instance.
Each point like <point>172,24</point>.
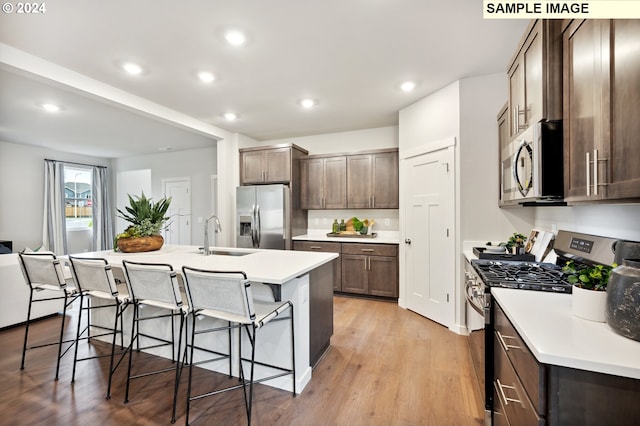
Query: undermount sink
<point>217,252</point>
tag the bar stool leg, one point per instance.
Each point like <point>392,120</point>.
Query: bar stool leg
<point>26,330</point>
<point>64,315</point>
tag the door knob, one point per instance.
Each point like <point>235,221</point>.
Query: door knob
<point>407,241</point>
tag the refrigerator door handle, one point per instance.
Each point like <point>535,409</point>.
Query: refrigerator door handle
<point>253,225</point>
<point>257,242</point>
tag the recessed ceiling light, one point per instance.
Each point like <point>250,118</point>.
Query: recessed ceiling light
<point>206,77</point>
<point>51,107</point>
<point>407,86</point>
<point>308,103</point>
<point>131,68</point>
<point>230,116</point>
<point>235,37</point>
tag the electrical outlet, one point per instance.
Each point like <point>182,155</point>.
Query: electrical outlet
<point>316,221</point>
<point>387,221</point>
<point>325,221</point>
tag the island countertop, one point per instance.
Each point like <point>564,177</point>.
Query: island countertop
<point>267,266</point>
<point>555,336</point>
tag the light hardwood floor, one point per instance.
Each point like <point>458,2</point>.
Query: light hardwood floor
<point>385,366</point>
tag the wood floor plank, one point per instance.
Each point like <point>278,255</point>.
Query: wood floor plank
<point>385,366</point>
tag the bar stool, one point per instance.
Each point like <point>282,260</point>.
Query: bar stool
<point>43,271</point>
<point>227,296</point>
<point>94,279</point>
<point>155,286</point>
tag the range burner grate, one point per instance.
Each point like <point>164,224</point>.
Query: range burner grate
<point>523,275</point>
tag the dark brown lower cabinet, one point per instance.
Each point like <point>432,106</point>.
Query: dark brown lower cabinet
<point>527,392</point>
<point>362,268</point>
<point>370,269</point>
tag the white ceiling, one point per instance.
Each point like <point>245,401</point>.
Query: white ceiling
<point>351,55</point>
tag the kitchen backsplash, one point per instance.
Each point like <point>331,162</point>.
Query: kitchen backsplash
<point>386,220</point>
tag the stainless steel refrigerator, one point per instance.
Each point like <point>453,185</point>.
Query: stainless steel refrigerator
<point>263,217</point>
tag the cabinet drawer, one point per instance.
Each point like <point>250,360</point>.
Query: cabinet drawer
<point>316,246</point>
<point>370,249</point>
<point>530,372</point>
<point>510,392</point>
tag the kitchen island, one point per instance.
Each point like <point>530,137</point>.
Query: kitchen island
<point>275,275</point>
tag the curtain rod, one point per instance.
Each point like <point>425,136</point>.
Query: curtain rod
<point>74,163</point>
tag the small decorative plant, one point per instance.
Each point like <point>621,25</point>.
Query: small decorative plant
<point>146,217</point>
<point>516,240</point>
<point>589,277</point>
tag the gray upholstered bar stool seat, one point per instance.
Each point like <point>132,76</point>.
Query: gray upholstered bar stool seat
<point>43,271</point>
<point>154,288</point>
<point>95,281</point>
<point>227,296</point>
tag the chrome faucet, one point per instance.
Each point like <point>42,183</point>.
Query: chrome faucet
<point>206,232</point>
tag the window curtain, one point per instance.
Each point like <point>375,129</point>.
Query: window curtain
<point>102,219</point>
<point>54,229</point>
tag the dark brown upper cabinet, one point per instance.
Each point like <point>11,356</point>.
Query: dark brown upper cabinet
<point>601,91</point>
<point>262,165</point>
<point>535,77</point>
<point>372,180</point>
<point>323,183</point>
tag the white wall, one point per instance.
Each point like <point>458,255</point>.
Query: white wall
<point>22,189</point>
<point>481,98</point>
<point>356,140</point>
<point>608,220</point>
<point>198,164</point>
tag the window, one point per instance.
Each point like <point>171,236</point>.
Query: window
<point>78,197</point>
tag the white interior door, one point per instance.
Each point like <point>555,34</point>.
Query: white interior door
<point>429,244</point>
<point>179,229</point>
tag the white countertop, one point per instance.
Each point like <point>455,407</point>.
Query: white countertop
<point>267,266</point>
<point>383,237</point>
<point>555,336</point>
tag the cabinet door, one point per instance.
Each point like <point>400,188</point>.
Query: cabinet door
<point>383,276</point>
<point>385,181</point>
<point>277,165</point>
<point>251,167</point>
<point>623,170</point>
<point>516,98</point>
<point>354,277</point>
<point>335,183</point>
<point>359,184</point>
<point>312,185</point>
<point>533,83</point>
<point>582,106</point>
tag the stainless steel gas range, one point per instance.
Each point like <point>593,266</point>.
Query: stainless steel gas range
<point>502,271</point>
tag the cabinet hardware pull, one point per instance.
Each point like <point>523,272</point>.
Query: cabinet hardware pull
<point>368,250</point>
<point>504,344</point>
<point>315,248</point>
<point>504,397</point>
<point>373,201</point>
<point>595,172</point>
<point>588,174</point>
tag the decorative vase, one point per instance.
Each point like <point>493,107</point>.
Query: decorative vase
<point>589,304</point>
<point>140,244</point>
<point>623,299</point>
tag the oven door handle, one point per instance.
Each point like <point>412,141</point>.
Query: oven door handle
<point>473,304</point>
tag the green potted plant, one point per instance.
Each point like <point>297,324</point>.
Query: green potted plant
<point>589,296</point>
<point>147,220</point>
<point>516,240</point>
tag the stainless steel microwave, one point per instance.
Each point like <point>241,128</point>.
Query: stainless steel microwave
<point>532,166</point>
